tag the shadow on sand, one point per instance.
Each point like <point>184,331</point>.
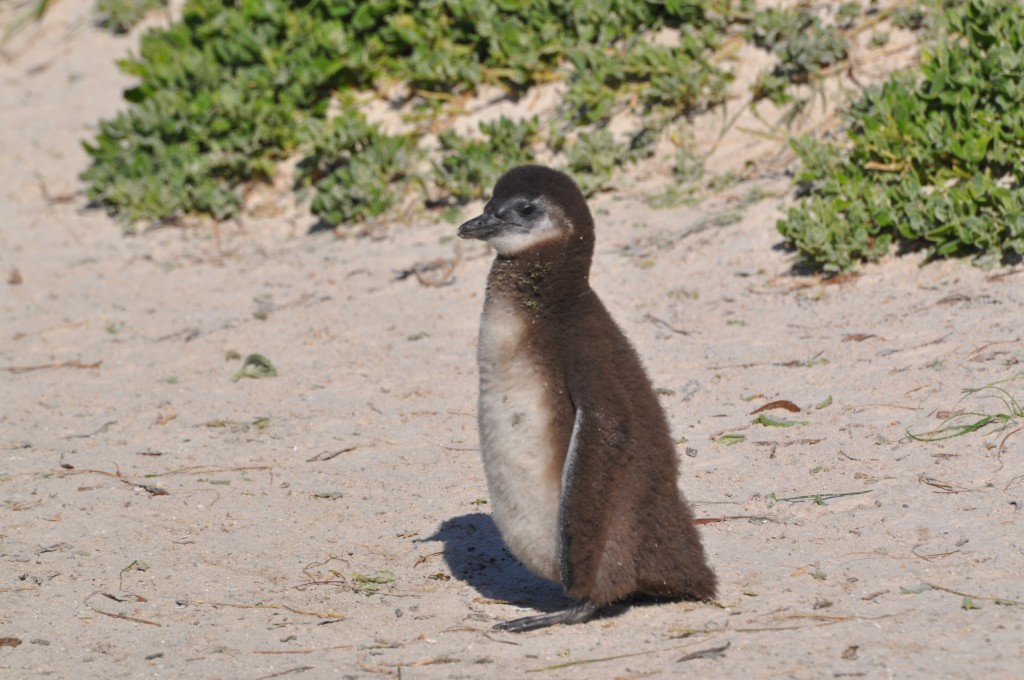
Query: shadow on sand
<point>476,555</point>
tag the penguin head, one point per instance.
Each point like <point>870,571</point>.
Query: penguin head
<point>533,207</point>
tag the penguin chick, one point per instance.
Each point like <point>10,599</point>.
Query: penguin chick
<point>580,464</point>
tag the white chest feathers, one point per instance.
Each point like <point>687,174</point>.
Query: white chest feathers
<point>516,443</point>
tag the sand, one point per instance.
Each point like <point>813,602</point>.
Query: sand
<point>160,519</point>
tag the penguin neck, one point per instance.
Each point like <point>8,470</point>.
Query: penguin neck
<point>541,279</point>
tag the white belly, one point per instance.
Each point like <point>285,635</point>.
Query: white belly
<point>516,444</point>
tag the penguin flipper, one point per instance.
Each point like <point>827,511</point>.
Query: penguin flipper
<point>608,549</point>
<point>565,506</point>
<point>585,514</point>
<point>578,613</point>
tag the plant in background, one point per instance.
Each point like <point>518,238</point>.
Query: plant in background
<point>687,166</point>
<point>353,166</point>
<point>802,42</point>
<point>596,79</point>
<point>227,92</point>
<point>594,156</point>
<point>847,14</point>
<point>934,160</point>
<point>469,167</point>
<point>679,79</point>
<point>773,87</point>
<point>911,18</point>
<point>120,16</point>
<point>220,97</point>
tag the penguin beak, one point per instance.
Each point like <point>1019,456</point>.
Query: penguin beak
<point>481,227</point>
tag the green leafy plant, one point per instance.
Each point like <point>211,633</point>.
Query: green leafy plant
<point>468,167</point>
<point>593,157</point>
<point>353,166</point>
<point>772,86</point>
<point>120,16</point>
<point>667,81</point>
<point>687,166</point>
<point>934,160</point>
<point>255,366</point>
<point>911,18</point>
<point>847,14</point>
<point>369,584</point>
<point>220,98</point>
<point>233,88</point>
<point>802,42</point>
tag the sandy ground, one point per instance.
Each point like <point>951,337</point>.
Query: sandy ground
<point>159,519</point>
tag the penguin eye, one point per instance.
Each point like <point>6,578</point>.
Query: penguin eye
<point>528,209</point>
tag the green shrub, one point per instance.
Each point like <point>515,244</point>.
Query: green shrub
<point>934,159</point>
<point>353,167</point>
<point>801,41</point>
<point>221,96</point>
<point>469,167</point>
<point>594,156</point>
<point>120,16</point>
<point>238,85</point>
<point>803,44</point>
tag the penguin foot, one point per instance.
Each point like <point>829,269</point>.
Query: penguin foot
<point>578,613</point>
